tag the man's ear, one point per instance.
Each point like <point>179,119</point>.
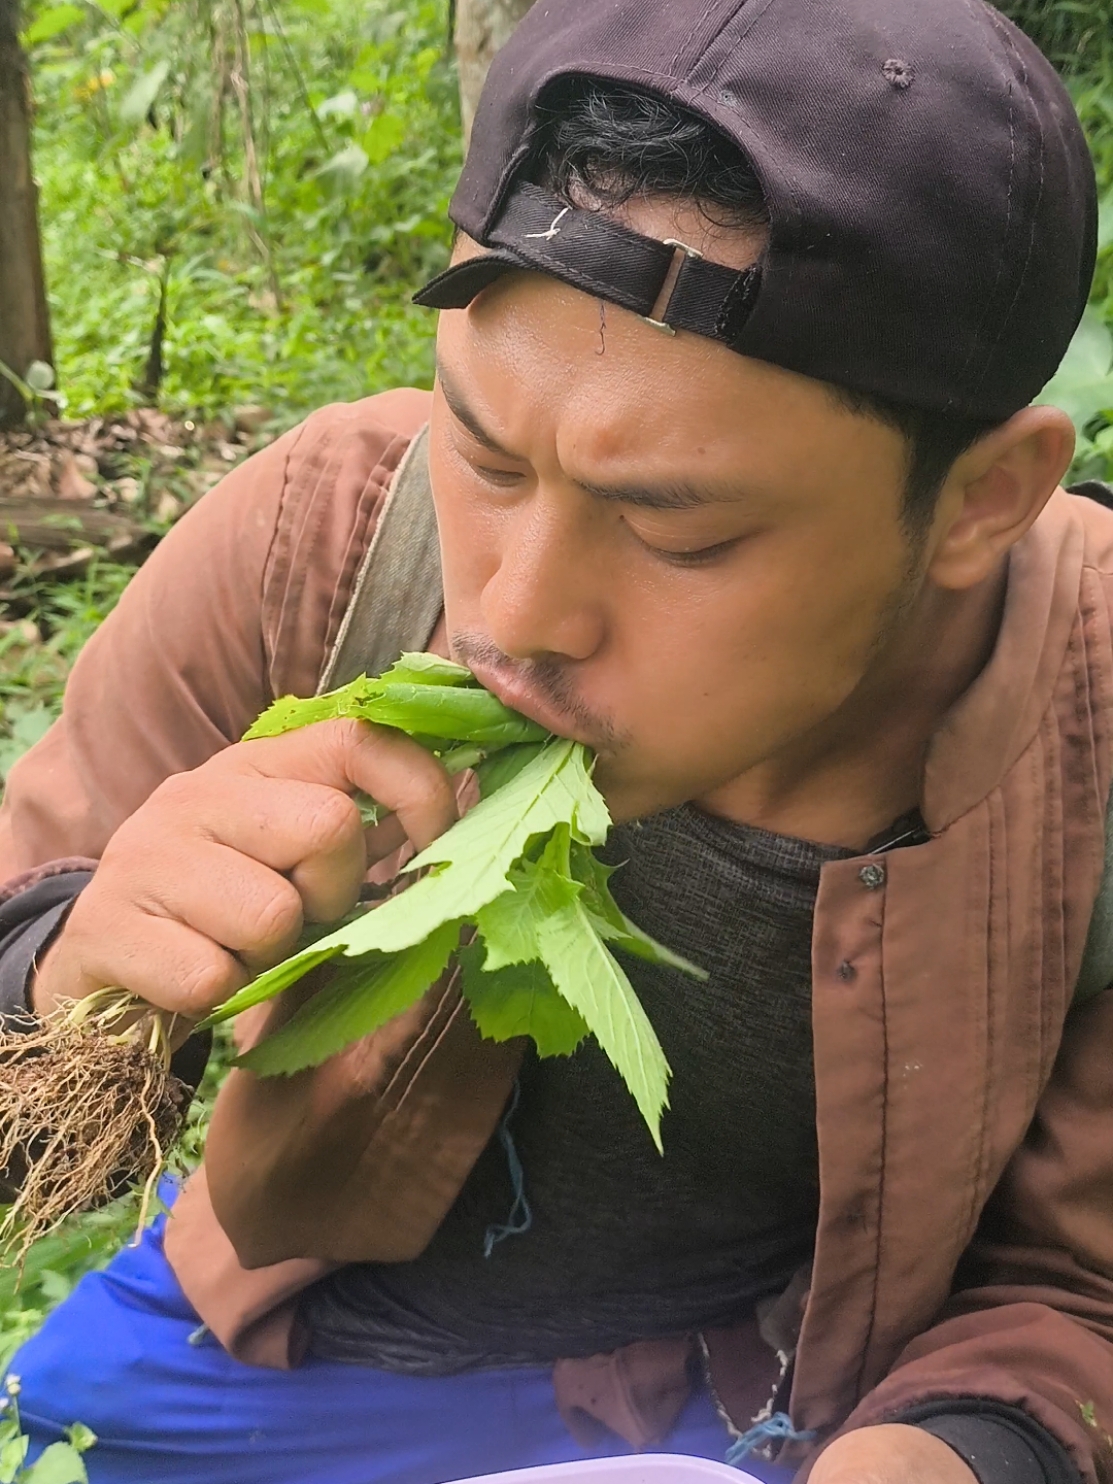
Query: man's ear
<point>994,492</point>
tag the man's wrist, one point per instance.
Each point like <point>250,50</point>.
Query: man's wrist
<point>890,1453</point>
<point>1002,1444</point>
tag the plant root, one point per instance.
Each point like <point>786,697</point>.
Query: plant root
<point>84,1109</point>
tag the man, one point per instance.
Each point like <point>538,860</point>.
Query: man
<point>736,481</point>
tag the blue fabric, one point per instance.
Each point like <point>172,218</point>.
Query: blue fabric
<point>117,1356</point>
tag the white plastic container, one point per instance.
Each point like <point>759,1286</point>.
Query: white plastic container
<point>646,1468</point>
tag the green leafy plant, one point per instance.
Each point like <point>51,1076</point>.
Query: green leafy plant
<point>58,1463</point>
<point>513,889</point>
<point>283,171</point>
<point>1083,388</point>
<point>1083,384</point>
<point>515,880</point>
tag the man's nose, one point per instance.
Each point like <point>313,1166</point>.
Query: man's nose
<point>548,592</point>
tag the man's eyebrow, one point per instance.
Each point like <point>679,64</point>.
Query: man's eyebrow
<point>465,416</point>
<point>672,495</point>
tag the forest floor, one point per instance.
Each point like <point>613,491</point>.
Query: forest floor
<point>81,503</point>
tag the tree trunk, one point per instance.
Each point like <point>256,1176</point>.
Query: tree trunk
<point>24,322</point>
<point>481,28</point>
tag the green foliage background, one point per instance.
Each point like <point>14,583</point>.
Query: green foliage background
<point>291,300</point>
<point>305,301</point>
<point>297,294</point>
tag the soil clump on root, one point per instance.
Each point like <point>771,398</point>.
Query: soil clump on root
<point>82,1114</point>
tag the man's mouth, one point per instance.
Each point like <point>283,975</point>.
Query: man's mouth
<point>519,695</point>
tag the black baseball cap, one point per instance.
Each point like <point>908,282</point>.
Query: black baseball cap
<point>931,196</point>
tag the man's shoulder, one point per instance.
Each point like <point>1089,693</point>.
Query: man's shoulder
<point>323,506</point>
<point>373,423</point>
<point>1092,507</point>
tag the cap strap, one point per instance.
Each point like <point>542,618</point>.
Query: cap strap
<point>595,253</point>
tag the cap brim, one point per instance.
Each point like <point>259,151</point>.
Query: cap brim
<point>457,286</point>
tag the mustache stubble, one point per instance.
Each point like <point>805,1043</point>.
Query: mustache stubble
<point>548,676</point>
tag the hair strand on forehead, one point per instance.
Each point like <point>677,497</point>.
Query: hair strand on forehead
<point>600,144</point>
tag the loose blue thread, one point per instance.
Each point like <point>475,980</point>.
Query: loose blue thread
<point>521,1217</point>
<point>776,1428</point>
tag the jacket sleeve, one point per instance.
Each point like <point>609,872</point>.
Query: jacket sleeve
<point>239,603</point>
<point>1030,1322</point>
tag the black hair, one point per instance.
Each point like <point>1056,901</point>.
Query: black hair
<point>600,144</point>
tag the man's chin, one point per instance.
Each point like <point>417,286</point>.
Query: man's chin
<point>629,795</point>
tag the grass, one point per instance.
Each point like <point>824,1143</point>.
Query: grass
<point>36,654</point>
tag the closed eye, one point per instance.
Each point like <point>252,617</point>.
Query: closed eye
<point>501,478</point>
<point>702,557</point>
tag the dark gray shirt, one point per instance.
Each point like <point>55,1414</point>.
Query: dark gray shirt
<point>625,1244</point>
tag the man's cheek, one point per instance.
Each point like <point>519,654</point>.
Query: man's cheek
<point>466,567</point>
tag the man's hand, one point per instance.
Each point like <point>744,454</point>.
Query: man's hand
<point>211,880</point>
<point>891,1453</point>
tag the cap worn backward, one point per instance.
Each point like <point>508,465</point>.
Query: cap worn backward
<point>931,195</point>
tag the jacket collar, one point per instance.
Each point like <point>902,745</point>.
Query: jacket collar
<point>991,724</point>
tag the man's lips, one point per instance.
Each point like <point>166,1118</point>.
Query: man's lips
<point>520,696</point>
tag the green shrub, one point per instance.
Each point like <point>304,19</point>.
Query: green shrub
<point>289,225</point>
<point>1073,33</point>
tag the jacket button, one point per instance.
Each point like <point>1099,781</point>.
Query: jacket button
<point>846,971</point>
<point>872,876</point>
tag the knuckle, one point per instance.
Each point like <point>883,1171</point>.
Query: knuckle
<point>332,820</point>
<point>172,793</point>
<point>347,731</point>
<point>429,792</point>
<point>207,981</point>
<point>279,916</point>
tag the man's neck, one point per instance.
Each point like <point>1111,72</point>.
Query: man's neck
<point>852,777</point>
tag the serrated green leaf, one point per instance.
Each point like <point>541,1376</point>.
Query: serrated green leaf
<point>427,703</point>
<point>520,1001</point>
<point>428,669</point>
<point>450,711</point>
<point>475,854</point>
<point>553,788</point>
<point>632,940</point>
<point>497,771</point>
<point>613,924</point>
<point>360,1000</point>
<point>594,983</point>
<point>60,1463</point>
<point>509,924</point>
<point>290,713</point>
<point>274,981</point>
<point>518,866</point>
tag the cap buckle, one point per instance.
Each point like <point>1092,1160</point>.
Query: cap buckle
<point>689,252</point>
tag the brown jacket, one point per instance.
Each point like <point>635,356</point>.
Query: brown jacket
<point>965,1241</point>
